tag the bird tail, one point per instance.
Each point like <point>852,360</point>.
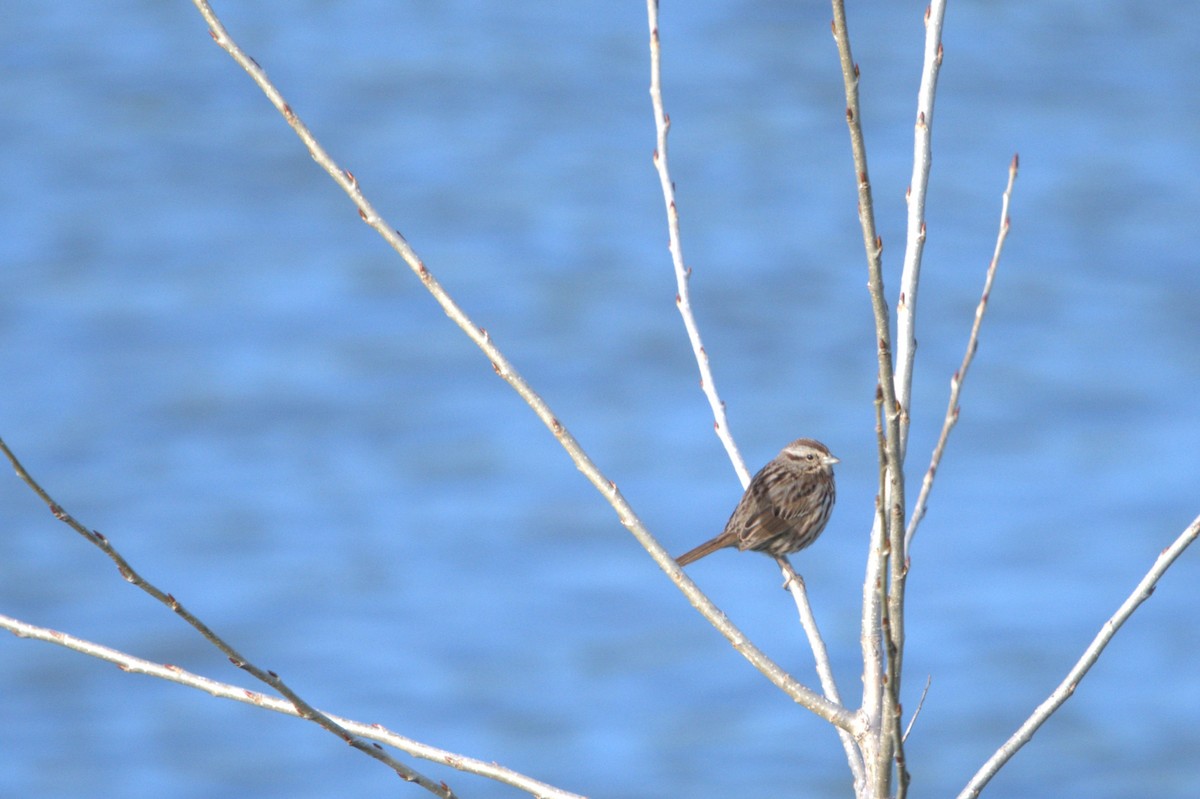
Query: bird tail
<point>707,548</point>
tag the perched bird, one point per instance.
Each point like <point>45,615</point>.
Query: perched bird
<point>785,507</point>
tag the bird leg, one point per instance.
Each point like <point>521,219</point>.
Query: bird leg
<point>789,574</point>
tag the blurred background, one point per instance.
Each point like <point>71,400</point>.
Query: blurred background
<point>207,356</point>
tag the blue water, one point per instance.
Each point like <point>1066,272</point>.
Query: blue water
<point>207,356</point>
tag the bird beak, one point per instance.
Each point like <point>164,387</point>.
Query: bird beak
<point>830,460</point>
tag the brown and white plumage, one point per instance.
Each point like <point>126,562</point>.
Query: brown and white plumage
<point>785,507</point>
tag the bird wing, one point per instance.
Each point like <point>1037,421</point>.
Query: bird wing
<point>766,499</point>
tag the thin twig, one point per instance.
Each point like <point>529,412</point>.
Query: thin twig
<point>906,343</point>
<point>662,125</point>
<point>866,211</point>
<point>303,709</point>
<point>1067,687</point>
<point>906,306</point>
<point>956,382</point>
<point>795,585</point>
<point>375,732</point>
<point>920,704</point>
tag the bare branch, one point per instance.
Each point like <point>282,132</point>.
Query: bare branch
<point>873,595</point>
<point>866,209</point>
<point>662,125</point>
<point>906,307</point>
<point>1067,687</point>
<point>795,584</point>
<point>891,490</point>
<point>906,310</point>
<point>303,709</point>
<point>375,732</point>
<point>956,382</point>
